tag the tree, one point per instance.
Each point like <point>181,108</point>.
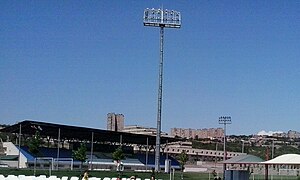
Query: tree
<point>182,158</point>
<point>34,143</point>
<point>118,155</point>
<point>80,154</point>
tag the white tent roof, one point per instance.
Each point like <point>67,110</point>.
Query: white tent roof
<point>285,159</point>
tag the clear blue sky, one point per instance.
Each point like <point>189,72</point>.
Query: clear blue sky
<point>72,62</point>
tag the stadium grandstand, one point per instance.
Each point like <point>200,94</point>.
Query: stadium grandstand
<point>59,142</point>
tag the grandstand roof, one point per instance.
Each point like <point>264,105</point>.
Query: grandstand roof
<point>68,132</point>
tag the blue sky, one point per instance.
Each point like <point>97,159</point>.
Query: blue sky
<point>72,62</point>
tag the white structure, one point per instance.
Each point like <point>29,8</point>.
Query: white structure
<point>293,134</point>
<point>12,150</point>
<point>200,155</point>
<point>135,129</point>
<point>287,164</point>
<point>288,159</point>
<point>203,154</point>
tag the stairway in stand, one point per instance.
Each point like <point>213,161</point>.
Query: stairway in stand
<point>2,152</point>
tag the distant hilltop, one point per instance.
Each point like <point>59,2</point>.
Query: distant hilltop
<point>289,134</point>
<point>269,133</point>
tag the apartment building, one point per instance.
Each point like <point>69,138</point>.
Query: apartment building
<point>197,133</point>
<point>115,122</point>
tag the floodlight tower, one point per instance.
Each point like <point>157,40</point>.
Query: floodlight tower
<point>162,19</point>
<point>224,120</point>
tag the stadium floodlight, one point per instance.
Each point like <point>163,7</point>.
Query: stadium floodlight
<point>169,19</point>
<point>224,120</point>
<point>162,18</point>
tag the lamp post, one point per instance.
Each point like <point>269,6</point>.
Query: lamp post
<point>224,120</point>
<point>216,157</point>
<point>272,148</point>
<point>162,19</point>
<point>243,145</point>
<point>19,155</point>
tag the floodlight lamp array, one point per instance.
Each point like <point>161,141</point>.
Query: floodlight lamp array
<point>225,120</point>
<point>162,18</point>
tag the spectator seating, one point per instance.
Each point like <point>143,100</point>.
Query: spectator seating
<point>151,160</point>
<point>101,160</point>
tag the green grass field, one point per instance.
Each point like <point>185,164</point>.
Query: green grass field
<point>142,175</point>
<point>102,174</point>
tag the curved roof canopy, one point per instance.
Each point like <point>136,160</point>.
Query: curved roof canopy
<point>288,159</point>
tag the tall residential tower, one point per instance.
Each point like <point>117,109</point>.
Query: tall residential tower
<point>115,122</point>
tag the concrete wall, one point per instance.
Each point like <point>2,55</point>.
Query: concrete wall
<point>10,163</point>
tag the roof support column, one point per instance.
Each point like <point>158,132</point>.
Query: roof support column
<point>92,149</point>
<point>266,171</point>
<point>58,144</point>
<point>121,140</point>
<point>19,154</point>
<point>147,154</point>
